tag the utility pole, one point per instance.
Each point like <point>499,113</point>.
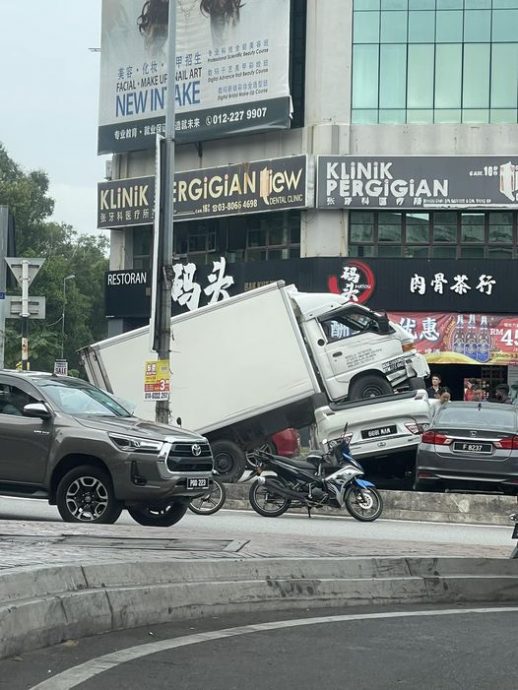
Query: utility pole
<point>4,230</point>
<point>165,249</point>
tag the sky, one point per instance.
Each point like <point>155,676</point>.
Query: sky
<point>49,95</point>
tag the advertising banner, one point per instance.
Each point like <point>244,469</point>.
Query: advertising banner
<point>157,379</point>
<point>231,72</point>
<point>417,182</point>
<point>462,338</point>
<point>126,202</point>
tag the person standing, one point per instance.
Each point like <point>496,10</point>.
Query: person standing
<point>434,390</point>
<point>502,394</point>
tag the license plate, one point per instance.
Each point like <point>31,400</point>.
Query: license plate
<point>195,483</point>
<point>469,447</point>
<point>380,431</point>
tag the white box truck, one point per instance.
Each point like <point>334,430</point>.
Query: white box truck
<point>246,367</point>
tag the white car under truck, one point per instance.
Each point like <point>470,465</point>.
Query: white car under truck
<point>246,367</point>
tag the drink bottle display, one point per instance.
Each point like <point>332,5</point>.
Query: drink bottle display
<point>459,342</point>
<point>470,347</point>
<point>483,341</point>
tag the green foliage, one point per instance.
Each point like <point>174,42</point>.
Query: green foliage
<point>65,253</point>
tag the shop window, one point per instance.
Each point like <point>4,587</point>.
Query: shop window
<point>444,252</point>
<point>142,247</point>
<point>389,227</point>
<point>444,227</point>
<point>500,228</point>
<point>417,228</point>
<point>472,227</point>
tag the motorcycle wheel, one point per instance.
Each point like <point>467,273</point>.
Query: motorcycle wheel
<point>266,503</point>
<point>365,505</point>
<point>211,502</point>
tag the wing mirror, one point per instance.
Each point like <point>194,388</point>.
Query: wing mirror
<point>36,410</point>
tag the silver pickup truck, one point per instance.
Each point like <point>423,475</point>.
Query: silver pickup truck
<point>66,441</point>
<point>385,431</point>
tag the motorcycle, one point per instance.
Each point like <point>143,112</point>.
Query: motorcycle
<point>329,478</point>
<point>514,518</point>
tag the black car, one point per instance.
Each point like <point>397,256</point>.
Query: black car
<point>470,446</point>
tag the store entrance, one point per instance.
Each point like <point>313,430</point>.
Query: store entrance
<point>453,375</point>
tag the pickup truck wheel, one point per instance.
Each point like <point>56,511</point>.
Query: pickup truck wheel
<point>370,386</point>
<point>85,494</point>
<point>163,515</point>
<point>229,460</point>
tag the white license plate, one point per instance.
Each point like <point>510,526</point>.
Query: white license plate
<point>469,447</point>
<point>195,483</point>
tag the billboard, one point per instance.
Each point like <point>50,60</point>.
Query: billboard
<point>417,182</point>
<point>231,71</point>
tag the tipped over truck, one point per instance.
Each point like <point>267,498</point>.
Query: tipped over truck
<point>251,365</point>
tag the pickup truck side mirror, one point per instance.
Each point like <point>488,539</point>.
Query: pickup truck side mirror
<point>36,410</point>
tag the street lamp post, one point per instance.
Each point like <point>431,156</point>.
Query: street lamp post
<point>69,277</point>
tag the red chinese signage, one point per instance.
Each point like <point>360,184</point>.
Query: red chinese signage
<point>462,338</point>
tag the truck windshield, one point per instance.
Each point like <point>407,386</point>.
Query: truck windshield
<point>82,399</point>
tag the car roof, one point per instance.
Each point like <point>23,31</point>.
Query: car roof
<point>35,375</point>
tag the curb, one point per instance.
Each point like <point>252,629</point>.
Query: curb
<point>42,607</point>
<point>489,509</point>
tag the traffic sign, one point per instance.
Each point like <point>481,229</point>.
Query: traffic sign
<point>16,266</point>
<point>36,306</point>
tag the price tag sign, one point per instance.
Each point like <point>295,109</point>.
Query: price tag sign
<point>157,380</point>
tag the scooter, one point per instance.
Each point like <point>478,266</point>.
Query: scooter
<point>330,478</point>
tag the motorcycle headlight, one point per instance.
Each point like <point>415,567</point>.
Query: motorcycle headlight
<point>133,444</point>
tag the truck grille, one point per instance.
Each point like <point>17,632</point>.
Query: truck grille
<point>190,457</point>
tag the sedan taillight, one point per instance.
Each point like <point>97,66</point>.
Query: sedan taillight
<point>435,437</point>
<point>507,443</point>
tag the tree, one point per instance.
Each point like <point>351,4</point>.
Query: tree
<point>65,253</point>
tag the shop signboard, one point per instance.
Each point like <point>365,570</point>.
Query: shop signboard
<point>462,338</point>
<point>231,70</point>
<point>121,203</point>
<point>417,182</point>
<point>277,184</point>
<point>476,286</point>
<point>127,293</point>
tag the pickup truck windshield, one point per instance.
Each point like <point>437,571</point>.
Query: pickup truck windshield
<point>81,399</point>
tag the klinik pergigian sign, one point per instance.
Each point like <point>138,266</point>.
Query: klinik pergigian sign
<point>417,182</point>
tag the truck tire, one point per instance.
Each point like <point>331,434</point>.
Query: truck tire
<point>85,494</point>
<point>159,516</point>
<point>229,460</point>
<point>369,386</point>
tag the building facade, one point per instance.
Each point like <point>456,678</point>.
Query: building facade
<point>396,179</point>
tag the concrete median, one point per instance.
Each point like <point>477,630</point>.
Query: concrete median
<point>45,606</point>
<point>490,509</point>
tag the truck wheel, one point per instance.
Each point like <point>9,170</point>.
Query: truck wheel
<point>229,460</point>
<point>85,494</point>
<point>159,516</point>
<point>370,386</point>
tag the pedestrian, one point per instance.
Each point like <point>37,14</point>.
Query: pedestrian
<point>502,394</point>
<point>433,390</point>
<point>469,389</point>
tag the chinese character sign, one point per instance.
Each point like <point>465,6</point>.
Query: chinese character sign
<point>462,338</point>
<point>231,70</point>
<point>157,377</point>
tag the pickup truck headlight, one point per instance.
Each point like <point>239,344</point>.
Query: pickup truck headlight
<point>133,444</point>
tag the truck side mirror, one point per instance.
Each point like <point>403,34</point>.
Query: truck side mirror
<point>178,421</point>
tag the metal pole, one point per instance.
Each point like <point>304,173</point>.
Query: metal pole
<point>165,258</point>
<point>63,319</point>
<point>25,315</point>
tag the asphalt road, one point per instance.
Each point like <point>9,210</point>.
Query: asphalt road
<point>244,525</point>
<point>372,649</point>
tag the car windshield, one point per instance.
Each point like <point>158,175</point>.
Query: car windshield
<point>501,417</point>
<point>81,398</point>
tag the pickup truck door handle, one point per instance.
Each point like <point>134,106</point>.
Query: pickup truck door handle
<point>337,354</point>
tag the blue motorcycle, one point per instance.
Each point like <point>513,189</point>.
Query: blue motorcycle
<point>331,478</point>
